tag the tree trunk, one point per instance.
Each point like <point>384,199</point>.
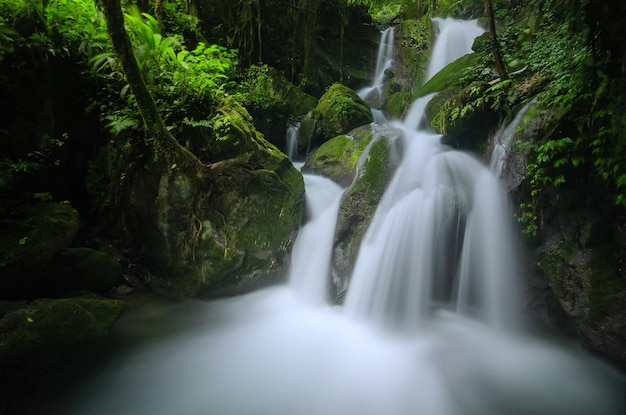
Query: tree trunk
<point>160,139</point>
<point>494,41</point>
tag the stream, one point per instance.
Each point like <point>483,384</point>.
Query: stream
<point>430,323</point>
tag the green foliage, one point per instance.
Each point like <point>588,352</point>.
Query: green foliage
<point>260,88</point>
<point>6,38</point>
<point>185,83</point>
<point>57,27</point>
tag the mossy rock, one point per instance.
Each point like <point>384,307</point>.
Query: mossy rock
<point>251,219</point>
<point>450,76</point>
<point>465,118</point>
<point>457,112</point>
<point>52,329</point>
<point>82,269</point>
<point>222,231</point>
<point>337,158</point>
<point>413,52</point>
<point>31,236</point>
<point>396,105</point>
<point>341,110</point>
<point>376,167</point>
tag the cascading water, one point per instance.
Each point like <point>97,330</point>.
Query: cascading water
<point>501,163</point>
<point>454,39</point>
<point>373,94</point>
<point>291,142</point>
<point>436,263</point>
<point>439,237</point>
<point>313,249</point>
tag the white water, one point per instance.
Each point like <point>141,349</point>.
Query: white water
<point>282,351</point>
<point>501,163</point>
<point>373,94</point>
<point>442,208</point>
<point>454,39</point>
<point>313,249</point>
<point>291,142</point>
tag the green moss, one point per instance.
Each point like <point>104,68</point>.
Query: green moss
<point>342,110</point>
<point>416,38</point>
<point>604,287</point>
<point>357,210</point>
<point>466,116</point>
<point>269,89</point>
<point>338,157</point>
<point>397,104</point>
<point>451,75</point>
<point>375,172</point>
<point>53,328</point>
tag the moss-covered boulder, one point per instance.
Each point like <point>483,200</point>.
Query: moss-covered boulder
<point>338,111</point>
<point>466,118</point>
<point>364,162</point>
<point>376,167</point>
<point>338,157</point>
<point>30,237</point>
<point>451,76</point>
<point>53,329</point>
<point>220,232</point>
<point>82,269</point>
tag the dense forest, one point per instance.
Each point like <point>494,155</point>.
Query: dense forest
<point>143,150</point>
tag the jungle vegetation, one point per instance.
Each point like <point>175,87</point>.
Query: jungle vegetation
<point>66,92</point>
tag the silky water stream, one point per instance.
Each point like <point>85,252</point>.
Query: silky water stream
<point>429,325</point>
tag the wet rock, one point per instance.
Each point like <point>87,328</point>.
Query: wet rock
<point>363,162</point>
<point>338,157</point>
<point>586,275</point>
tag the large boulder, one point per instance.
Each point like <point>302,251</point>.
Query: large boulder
<point>32,235</point>
<point>465,113</point>
<point>338,111</point>
<point>219,233</point>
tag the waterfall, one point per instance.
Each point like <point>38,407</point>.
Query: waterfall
<point>500,162</point>
<point>454,39</point>
<point>312,250</point>
<point>374,93</point>
<point>441,236</point>
<point>436,264</point>
<point>291,144</point>
<point>438,239</point>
